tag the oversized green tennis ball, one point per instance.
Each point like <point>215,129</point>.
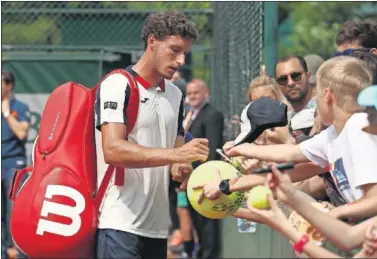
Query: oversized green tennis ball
<point>225,205</point>
<point>258,197</point>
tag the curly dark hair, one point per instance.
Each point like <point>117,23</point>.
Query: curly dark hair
<point>362,31</point>
<point>162,24</point>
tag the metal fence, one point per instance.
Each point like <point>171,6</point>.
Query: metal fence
<point>238,44</point>
<point>96,31</point>
<point>227,54</point>
<point>114,24</point>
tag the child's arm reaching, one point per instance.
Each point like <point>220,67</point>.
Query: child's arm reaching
<point>366,207</point>
<point>370,243</point>
<point>243,213</point>
<point>278,221</point>
<point>277,153</point>
<point>299,173</point>
<point>352,236</point>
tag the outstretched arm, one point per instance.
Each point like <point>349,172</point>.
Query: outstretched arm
<point>299,173</point>
<point>277,153</point>
<point>352,236</point>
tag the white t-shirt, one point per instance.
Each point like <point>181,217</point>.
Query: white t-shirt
<point>351,156</point>
<point>140,206</point>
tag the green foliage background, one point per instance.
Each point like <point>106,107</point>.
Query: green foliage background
<point>315,24</point>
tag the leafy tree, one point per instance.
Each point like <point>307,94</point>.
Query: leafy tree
<point>317,23</point>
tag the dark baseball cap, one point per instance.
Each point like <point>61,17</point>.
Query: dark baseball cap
<point>259,115</point>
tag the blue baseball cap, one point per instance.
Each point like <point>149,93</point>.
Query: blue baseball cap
<point>368,97</point>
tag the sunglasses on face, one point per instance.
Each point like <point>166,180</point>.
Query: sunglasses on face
<point>283,80</point>
<point>348,52</point>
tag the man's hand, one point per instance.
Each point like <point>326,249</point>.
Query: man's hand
<point>195,150</point>
<point>211,190</point>
<point>12,253</point>
<point>181,173</point>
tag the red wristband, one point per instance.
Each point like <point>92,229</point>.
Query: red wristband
<point>299,246</point>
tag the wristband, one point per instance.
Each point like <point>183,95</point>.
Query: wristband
<point>299,245</point>
<point>182,199</point>
<point>6,114</point>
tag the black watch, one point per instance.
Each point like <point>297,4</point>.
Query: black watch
<point>224,187</point>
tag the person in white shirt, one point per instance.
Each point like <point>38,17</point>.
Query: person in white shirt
<point>134,216</point>
<point>343,148</point>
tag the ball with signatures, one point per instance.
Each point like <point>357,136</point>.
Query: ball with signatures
<point>225,205</point>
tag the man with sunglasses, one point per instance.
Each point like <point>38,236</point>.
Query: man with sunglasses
<point>293,77</point>
<point>357,36</point>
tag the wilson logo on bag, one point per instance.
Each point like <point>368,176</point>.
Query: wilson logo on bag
<point>55,212</point>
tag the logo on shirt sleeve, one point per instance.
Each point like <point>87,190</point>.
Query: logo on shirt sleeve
<point>110,105</point>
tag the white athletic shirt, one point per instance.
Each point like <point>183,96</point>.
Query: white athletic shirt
<point>351,156</point>
<point>140,206</point>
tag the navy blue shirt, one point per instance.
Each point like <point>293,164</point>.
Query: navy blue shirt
<point>11,146</point>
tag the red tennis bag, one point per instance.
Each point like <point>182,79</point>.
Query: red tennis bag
<point>55,212</point>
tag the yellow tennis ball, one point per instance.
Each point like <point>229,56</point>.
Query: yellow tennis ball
<point>236,161</point>
<point>225,205</point>
<point>258,197</point>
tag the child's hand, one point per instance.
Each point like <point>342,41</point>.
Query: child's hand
<point>273,217</point>
<point>240,150</point>
<point>335,212</point>
<point>327,205</point>
<point>281,185</point>
<point>228,145</point>
<point>211,191</point>
<point>370,241</point>
<point>250,165</point>
<point>279,135</point>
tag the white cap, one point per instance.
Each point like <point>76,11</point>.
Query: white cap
<point>303,119</point>
<point>245,126</point>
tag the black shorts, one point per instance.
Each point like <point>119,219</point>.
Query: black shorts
<point>173,203</point>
